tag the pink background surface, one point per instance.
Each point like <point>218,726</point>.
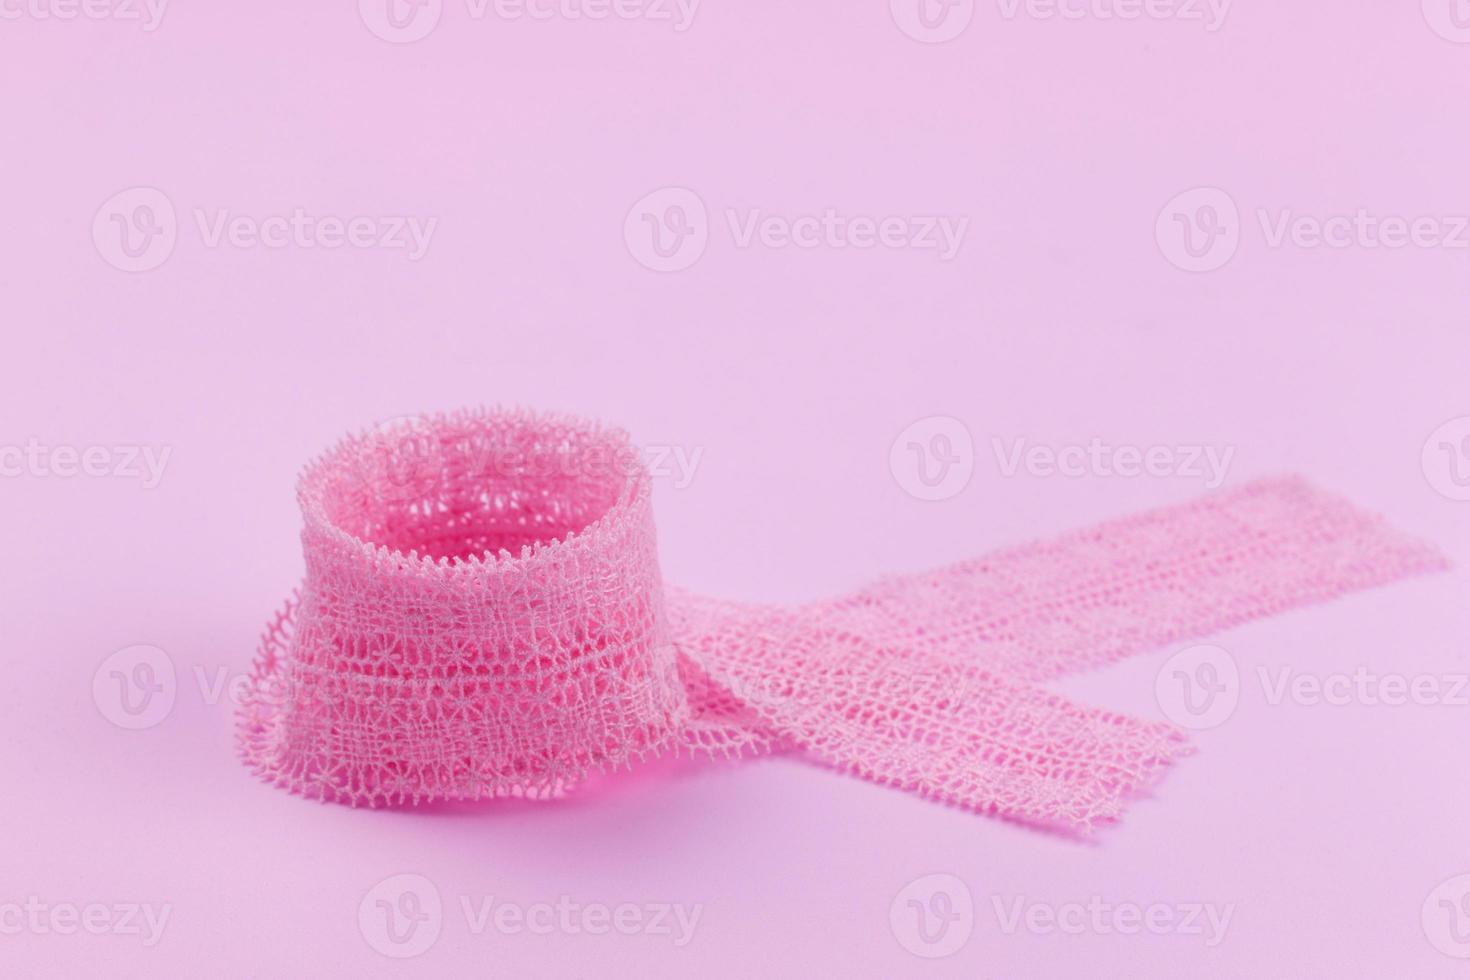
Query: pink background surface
<point>1060,320</point>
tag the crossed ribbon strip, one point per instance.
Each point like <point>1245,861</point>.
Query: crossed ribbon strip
<point>483,615</point>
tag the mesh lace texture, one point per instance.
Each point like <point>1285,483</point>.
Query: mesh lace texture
<point>482,615</point>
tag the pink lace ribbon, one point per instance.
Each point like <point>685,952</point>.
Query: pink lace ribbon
<point>483,615</point>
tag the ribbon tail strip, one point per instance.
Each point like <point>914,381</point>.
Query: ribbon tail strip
<point>926,682</point>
